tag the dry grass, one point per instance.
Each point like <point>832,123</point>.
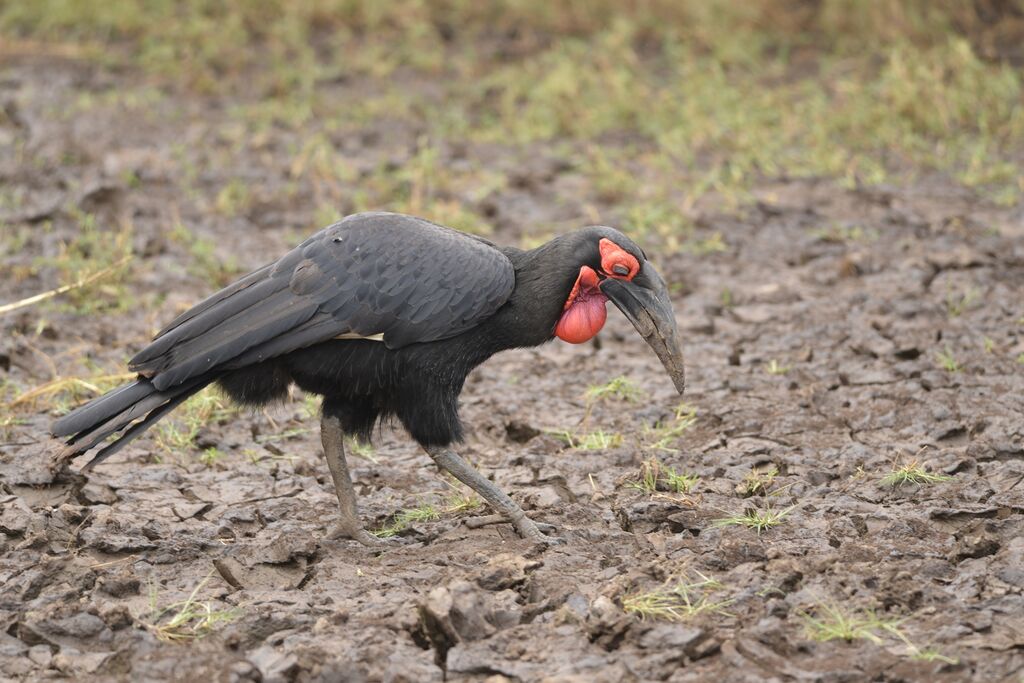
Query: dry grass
<point>912,473</point>
<point>455,504</point>
<point>654,476</point>
<point>188,619</point>
<point>830,621</point>
<point>759,520</point>
<point>678,600</point>
<point>61,393</point>
<point>758,481</point>
<point>588,441</point>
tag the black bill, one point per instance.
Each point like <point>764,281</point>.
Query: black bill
<point>644,300</point>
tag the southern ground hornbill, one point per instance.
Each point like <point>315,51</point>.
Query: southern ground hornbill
<point>384,315</point>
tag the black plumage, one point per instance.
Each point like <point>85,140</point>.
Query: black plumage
<point>374,273</point>
<point>382,314</point>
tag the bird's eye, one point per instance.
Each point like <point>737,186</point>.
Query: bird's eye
<point>620,269</point>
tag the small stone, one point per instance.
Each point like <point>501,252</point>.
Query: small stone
<point>41,655</point>
<point>672,636</point>
<point>520,432</point>
<point>546,497</point>
<point>119,585</point>
<point>506,570</point>
<point>274,666</point>
<point>975,545</point>
<point>283,544</point>
<point>72,660</point>
<point>98,494</point>
<point>189,510</point>
<point>81,625</point>
<point>754,313</point>
<point>469,612</point>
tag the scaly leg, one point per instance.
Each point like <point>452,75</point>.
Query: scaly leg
<point>349,525</point>
<point>453,463</point>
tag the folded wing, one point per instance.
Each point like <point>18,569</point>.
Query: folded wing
<point>370,274</point>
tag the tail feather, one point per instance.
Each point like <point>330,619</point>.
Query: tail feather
<point>102,409</point>
<point>137,429</point>
<point>120,411</point>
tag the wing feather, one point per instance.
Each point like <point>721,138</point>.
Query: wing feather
<point>370,274</point>
<point>232,289</point>
<point>198,324</point>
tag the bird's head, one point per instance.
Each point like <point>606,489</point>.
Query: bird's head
<point>610,266</point>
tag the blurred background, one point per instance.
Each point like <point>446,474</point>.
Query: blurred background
<point>437,107</point>
<point>202,138</point>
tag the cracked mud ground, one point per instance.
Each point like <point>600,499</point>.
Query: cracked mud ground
<point>842,332</point>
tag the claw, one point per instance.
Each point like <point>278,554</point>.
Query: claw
<point>531,530</point>
<point>546,528</point>
<point>548,540</point>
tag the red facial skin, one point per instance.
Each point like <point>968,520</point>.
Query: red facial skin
<point>584,312</point>
<point>613,255</point>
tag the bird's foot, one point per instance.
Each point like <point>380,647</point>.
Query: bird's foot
<point>532,532</point>
<point>526,527</point>
<point>356,533</point>
<point>487,520</point>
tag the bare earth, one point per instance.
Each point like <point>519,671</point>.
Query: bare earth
<point>812,345</point>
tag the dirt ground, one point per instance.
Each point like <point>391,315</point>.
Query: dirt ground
<point>840,333</point>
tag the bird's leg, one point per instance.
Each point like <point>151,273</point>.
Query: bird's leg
<point>453,463</point>
<point>349,526</point>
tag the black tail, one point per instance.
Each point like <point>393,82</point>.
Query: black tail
<point>131,409</point>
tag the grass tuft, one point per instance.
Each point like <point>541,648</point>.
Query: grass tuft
<point>655,476</point>
<point>178,432</point>
<point>588,441</point>
<point>665,433</point>
<point>205,262</point>
<point>457,503</point>
<point>912,473</point>
<point>757,481</point>
<point>947,361</point>
<point>833,622</point>
<point>958,303</point>
<point>188,619</point>
<point>92,267</point>
<point>677,601</point>
<point>211,456</point>
<point>361,449</point>
<point>713,96</point>
<point>619,388</point>
<point>753,518</point>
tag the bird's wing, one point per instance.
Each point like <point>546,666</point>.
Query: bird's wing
<point>371,274</point>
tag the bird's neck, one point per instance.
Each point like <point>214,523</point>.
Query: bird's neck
<point>543,282</point>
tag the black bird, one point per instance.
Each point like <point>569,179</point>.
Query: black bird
<point>384,315</point>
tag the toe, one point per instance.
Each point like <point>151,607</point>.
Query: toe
<point>358,534</point>
<point>548,540</point>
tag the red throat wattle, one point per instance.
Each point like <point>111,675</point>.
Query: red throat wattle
<point>584,313</point>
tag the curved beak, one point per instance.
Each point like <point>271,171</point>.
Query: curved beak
<point>644,300</point>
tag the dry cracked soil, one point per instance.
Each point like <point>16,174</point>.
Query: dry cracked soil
<point>840,333</point>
